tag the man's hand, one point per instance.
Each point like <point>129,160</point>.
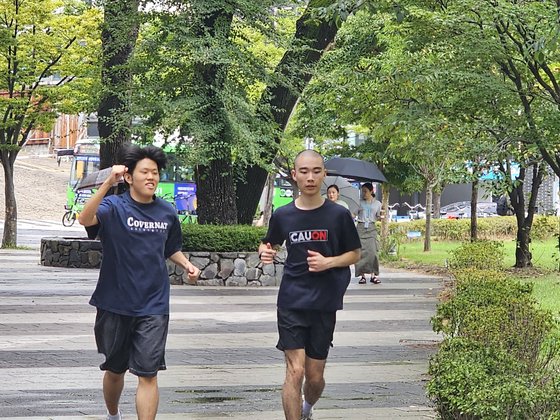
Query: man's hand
<point>192,272</point>
<point>117,173</point>
<point>267,254</point>
<point>317,262</point>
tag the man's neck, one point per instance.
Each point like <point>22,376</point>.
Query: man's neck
<point>304,202</point>
<point>141,198</point>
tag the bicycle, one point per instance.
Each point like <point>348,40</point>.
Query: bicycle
<point>72,211</point>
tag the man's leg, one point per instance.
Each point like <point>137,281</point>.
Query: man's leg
<point>147,398</point>
<point>113,384</point>
<point>291,391</point>
<point>314,380</point>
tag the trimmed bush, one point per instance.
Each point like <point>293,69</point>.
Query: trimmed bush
<point>214,238</point>
<point>482,255</point>
<point>503,227</point>
<point>473,381</point>
<point>496,361</point>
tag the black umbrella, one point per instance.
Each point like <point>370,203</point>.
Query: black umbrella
<point>357,169</point>
<point>95,179</point>
<point>348,193</point>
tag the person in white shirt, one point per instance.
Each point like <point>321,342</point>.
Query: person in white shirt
<point>368,213</point>
<point>333,194</point>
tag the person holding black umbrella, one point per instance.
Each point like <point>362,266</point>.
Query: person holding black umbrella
<point>333,194</point>
<point>368,213</point>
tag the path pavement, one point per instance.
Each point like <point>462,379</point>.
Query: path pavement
<point>221,357</point>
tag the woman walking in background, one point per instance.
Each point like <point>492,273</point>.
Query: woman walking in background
<point>333,194</point>
<point>368,213</point>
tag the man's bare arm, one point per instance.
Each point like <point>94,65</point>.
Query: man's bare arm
<point>88,215</point>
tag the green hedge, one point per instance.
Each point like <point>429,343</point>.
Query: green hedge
<point>473,381</point>
<point>482,255</point>
<point>502,227</point>
<point>214,238</point>
<point>497,360</point>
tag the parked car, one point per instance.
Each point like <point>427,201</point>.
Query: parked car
<point>462,210</point>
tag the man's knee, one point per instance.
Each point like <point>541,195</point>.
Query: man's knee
<point>114,377</point>
<point>295,372</point>
<point>147,380</point>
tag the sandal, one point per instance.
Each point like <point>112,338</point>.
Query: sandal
<point>375,280</point>
<point>362,280</point>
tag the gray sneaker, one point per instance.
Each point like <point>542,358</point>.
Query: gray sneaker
<point>118,414</point>
<point>308,417</point>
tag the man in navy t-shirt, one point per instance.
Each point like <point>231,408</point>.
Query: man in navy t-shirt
<point>138,232</point>
<point>321,242</point>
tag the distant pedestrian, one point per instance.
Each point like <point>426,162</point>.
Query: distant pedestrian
<point>138,232</point>
<point>321,242</point>
<point>368,213</point>
<point>333,194</point>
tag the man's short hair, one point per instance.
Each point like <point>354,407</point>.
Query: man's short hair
<point>310,152</point>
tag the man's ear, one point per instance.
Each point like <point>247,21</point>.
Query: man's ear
<point>127,177</point>
<point>293,174</point>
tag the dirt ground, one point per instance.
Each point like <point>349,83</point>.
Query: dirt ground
<point>40,187</point>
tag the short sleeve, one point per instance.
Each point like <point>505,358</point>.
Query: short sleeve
<point>103,210</point>
<point>351,239</point>
<point>274,235</point>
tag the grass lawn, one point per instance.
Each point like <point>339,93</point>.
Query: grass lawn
<point>545,275</point>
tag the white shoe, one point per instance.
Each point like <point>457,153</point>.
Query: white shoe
<point>117,416</point>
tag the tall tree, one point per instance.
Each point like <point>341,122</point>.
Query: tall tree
<point>118,38</point>
<point>315,31</point>
<point>229,101</point>
<point>49,51</point>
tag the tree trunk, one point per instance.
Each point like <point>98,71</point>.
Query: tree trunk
<point>385,192</point>
<point>215,207</point>
<point>9,238</point>
<point>437,204</point>
<point>118,39</point>
<point>427,237</point>
<point>278,101</point>
<point>267,211</point>
<point>474,207</point>
<point>215,185</point>
<point>523,256</point>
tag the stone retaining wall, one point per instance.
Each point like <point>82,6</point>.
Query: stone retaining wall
<point>216,268</point>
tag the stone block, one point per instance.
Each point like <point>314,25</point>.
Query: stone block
<point>252,274</point>
<point>210,271</point>
<point>236,281</point>
<point>268,269</point>
<point>176,279</point>
<point>200,254</point>
<point>267,280</point>
<point>253,260</point>
<point>230,255</point>
<point>200,262</point>
<point>226,268</point>
<point>210,282</point>
<point>239,267</point>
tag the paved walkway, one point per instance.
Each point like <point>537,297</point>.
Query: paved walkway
<point>221,357</point>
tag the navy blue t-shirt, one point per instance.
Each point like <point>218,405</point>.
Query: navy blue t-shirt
<point>137,239</point>
<point>329,230</point>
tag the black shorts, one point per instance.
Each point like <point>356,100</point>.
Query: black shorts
<point>131,343</point>
<point>309,330</point>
